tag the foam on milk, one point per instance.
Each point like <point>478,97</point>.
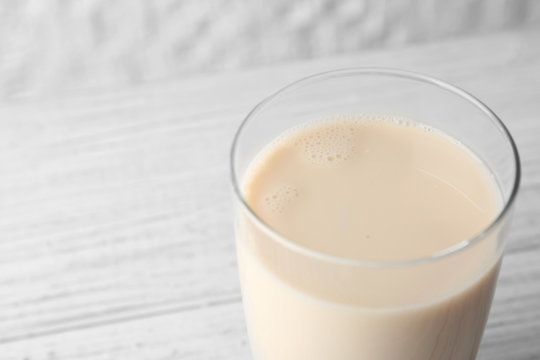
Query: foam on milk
<point>327,145</point>
<point>330,140</point>
<point>278,199</point>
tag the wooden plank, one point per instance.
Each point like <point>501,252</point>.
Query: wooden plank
<point>216,332</point>
<point>116,225</point>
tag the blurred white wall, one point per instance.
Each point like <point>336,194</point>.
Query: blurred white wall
<point>51,45</point>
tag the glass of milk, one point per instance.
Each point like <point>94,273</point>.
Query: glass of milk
<point>371,212</point>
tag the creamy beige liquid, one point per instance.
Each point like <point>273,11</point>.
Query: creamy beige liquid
<point>374,191</point>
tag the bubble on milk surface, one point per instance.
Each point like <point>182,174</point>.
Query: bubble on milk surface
<point>331,140</point>
<point>278,199</point>
<point>327,144</point>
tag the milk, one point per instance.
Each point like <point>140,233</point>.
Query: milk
<point>351,211</point>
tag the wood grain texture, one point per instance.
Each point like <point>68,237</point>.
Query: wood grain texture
<point>116,238</point>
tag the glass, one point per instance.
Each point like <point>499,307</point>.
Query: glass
<point>333,307</point>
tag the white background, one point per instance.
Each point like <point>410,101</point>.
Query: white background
<point>54,46</point>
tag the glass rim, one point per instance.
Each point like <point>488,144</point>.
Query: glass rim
<point>392,73</point>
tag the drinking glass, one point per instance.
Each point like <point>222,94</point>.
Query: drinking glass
<point>301,304</point>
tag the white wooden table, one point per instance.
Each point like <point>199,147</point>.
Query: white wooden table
<point>116,237</point>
